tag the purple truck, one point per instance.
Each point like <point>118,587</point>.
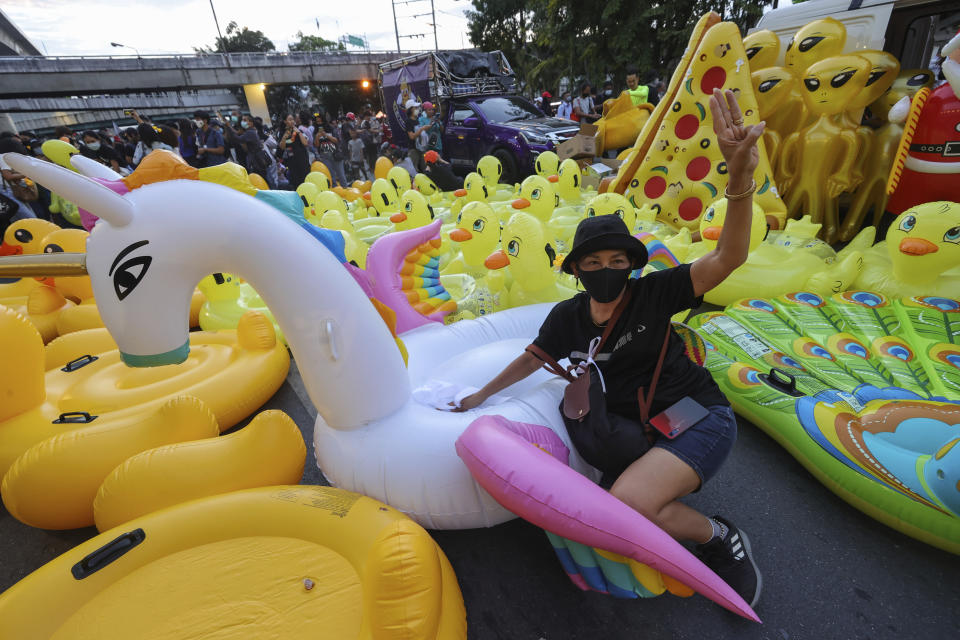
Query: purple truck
<point>480,113</point>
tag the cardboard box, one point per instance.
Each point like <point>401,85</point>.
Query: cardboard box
<point>596,170</point>
<point>582,145</point>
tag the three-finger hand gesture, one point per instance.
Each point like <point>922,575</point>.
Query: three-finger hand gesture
<point>737,141</point>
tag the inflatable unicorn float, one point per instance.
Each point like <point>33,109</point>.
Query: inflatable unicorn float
<point>155,243</point>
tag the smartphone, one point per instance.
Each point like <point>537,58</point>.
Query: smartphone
<point>679,417</point>
<point>128,112</point>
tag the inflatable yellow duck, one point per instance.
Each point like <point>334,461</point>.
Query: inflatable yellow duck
<point>920,257</point>
<point>384,201</point>
<point>22,237</point>
<point>476,235</point>
<point>530,256</point>
<point>779,265</point>
<point>430,190</point>
<point>414,211</point>
<point>354,248</point>
<point>227,299</point>
<point>491,171</point>
<point>474,190</point>
<point>547,164</point>
<point>325,201</point>
<point>569,183</point>
<point>614,204</point>
<point>537,197</point>
<point>399,179</point>
<point>318,179</point>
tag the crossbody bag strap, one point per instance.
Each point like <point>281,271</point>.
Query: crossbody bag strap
<point>647,402</point>
<point>549,364</point>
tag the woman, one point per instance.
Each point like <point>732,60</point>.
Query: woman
<point>651,479</point>
<point>328,151</point>
<point>188,141</point>
<point>256,159</point>
<point>293,144</point>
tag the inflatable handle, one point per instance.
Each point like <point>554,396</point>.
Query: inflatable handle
<point>78,363</point>
<point>782,381</point>
<point>107,554</point>
<point>74,417</point>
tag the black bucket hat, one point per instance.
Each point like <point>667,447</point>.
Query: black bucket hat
<point>604,232</point>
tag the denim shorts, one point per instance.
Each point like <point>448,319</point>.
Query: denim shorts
<point>705,445</point>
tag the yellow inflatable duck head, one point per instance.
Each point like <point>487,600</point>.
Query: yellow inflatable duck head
<point>813,42</point>
<point>318,178</point>
<point>711,225</point>
<point>547,164</point>
<point>319,167</point>
<point>478,232</point>
<point>772,87</point>
<point>414,212</point>
<point>399,178</point>
<point>763,49</point>
<point>908,82</point>
<point>884,68</point>
<point>25,236</point>
<point>569,180</point>
<point>924,241</point>
<point>425,185</point>
<point>474,189</point>
<point>382,167</point>
<point>308,193</point>
<point>537,197</point>
<point>383,197</point>
<point>612,203</point>
<point>527,252</point>
<point>77,288</point>
<point>829,86</point>
<point>490,170</point>
<point>220,287</point>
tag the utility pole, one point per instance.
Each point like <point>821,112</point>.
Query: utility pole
<point>216,22</point>
<point>396,29</point>
<point>433,15</point>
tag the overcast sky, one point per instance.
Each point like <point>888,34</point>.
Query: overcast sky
<point>62,27</point>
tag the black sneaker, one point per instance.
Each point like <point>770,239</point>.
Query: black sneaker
<point>732,560</point>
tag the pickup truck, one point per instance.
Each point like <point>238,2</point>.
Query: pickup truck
<point>481,115</point>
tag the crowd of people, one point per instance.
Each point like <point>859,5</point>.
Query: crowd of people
<point>587,106</point>
<point>282,155</point>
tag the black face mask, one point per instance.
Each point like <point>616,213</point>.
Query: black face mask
<point>604,285</point>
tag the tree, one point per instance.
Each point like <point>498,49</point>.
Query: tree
<point>315,43</point>
<point>239,40</point>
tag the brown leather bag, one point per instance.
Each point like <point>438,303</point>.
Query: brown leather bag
<point>576,395</point>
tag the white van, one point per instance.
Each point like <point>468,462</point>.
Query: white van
<point>912,30</point>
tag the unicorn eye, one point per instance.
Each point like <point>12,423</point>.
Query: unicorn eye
<point>841,79</point>
<point>535,194</point>
<point>909,223</point>
<point>130,273</point>
<point>952,235</point>
<point>478,225</point>
<point>513,248</point>
<point>708,216</point>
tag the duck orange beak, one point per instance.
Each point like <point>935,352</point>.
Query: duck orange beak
<point>366,196</point>
<point>10,249</point>
<point>917,246</point>
<point>460,235</point>
<point>712,233</point>
<point>460,193</point>
<point>554,178</point>
<point>497,260</point>
<point>397,218</point>
<point>47,281</point>
<point>520,203</point>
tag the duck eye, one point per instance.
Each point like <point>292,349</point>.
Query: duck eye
<point>767,85</point>
<point>952,235</point>
<point>591,212</point>
<point>386,200</point>
<point>513,248</point>
<point>535,194</point>
<point>22,235</point>
<point>841,79</point>
<point>53,248</point>
<point>408,206</point>
<point>478,225</point>
<point>618,212</point>
<point>708,216</point>
<point>812,84</point>
<point>576,180</point>
<point>459,218</point>
<point>909,223</point>
<point>808,43</point>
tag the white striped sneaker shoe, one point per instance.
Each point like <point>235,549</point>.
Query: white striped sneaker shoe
<point>732,559</point>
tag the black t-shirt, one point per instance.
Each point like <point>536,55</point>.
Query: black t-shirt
<point>630,353</point>
<point>411,125</point>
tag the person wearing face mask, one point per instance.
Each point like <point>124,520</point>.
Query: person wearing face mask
<point>619,330</point>
<point>416,133</point>
<point>565,109</point>
<point>93,147</point>
<point>584,108</point>
<point>188,141</point>
<point>212,148</point>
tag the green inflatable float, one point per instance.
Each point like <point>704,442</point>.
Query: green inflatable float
<point>862,390</point>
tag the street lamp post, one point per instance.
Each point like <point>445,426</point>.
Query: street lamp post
<point>126,46</point>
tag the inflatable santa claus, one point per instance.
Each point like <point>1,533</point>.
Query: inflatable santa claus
<point>927,166</point>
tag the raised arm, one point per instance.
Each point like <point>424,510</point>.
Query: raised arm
<point>738,144</point>
<point>524,365</point>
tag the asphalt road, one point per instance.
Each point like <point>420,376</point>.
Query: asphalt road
<point>829,571</point>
